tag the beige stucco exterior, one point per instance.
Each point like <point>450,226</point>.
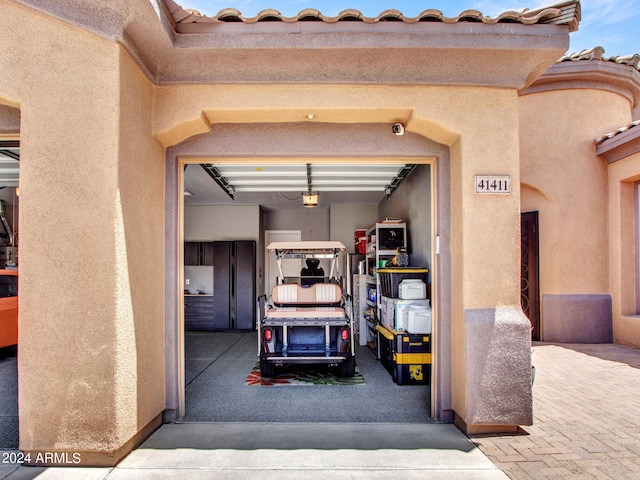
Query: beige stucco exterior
<point>623,177</point>
<point>106,92</point>
<point>91,301</point>
<point>434,112</point>
<point>585,201</point>
<point>567,182</point>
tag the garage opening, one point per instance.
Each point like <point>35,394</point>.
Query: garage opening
<point>232,208</point>
<point>9,207</point>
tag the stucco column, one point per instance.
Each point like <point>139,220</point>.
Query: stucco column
<point>490,334</point>
<point>622,180</point>
<point>91,337</point>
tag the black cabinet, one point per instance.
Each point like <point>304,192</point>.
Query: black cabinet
<point>243,305</point>
<point>198,253</point>
<point>234,285</point>
<point>198,312</point>
<point>222,285</point>
<point>191,253</point>
<point>233,304</point>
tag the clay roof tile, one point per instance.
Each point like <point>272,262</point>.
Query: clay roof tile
<point>565,12</point>
<point>617,132</point>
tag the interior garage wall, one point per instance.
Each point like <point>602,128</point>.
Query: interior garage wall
<point>346,218</point>
<point>211,222</point>
<point>412,202</point>
<point>312,222</point>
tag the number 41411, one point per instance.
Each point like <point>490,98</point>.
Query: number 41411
<point>493,184</point>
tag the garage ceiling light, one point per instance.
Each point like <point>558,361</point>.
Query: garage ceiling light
<point>310,199</point>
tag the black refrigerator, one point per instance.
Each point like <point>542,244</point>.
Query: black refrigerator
<point>234,285</point>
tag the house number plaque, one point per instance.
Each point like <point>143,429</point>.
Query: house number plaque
<point>493,184</point>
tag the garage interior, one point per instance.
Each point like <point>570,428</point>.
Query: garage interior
<point>251,199</point>
<point>9,234</point>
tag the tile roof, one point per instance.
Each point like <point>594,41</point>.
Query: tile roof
<point>600,140</point>
<point>597,53</point>
<point>565,12</point>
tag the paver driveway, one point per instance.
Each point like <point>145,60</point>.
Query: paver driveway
<point>586,417</point>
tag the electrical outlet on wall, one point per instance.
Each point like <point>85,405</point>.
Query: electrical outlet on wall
<point>186,282</point>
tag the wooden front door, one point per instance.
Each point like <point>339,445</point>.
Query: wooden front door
<point>529,271</point>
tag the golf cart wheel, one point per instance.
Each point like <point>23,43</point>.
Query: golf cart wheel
<point>347,368</point>
<point>267,369</point>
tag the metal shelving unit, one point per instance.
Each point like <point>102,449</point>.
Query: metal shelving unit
<point>383,240</point>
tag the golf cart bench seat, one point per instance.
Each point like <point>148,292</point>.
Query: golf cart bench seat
<point>317,295</point>
<point>320,300</point>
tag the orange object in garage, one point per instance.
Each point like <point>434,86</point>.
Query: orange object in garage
<point>8,308</point>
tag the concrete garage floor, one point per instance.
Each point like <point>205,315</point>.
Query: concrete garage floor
<point>8,398</point>
<point>218,363</point>
<point>216,367</point>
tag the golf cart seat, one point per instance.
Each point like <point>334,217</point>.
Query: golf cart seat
<point>321,300</point>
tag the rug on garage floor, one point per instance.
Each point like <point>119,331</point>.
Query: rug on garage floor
<point>301,377</point>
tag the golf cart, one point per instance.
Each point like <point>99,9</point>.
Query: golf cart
<point>306,321</point>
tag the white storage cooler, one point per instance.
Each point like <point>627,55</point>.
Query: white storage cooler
<point>419,319</point>
<point>395,312</point>
<point>412,289</point>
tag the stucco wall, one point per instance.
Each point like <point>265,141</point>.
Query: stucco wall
<point>91,369</point>
<point>9,120</point>
<point>141,193</point>
<point>482,276</point>
<point>623,222</point>
<point>91,294</point>
<point>566,182</point>
<point>486,269</point>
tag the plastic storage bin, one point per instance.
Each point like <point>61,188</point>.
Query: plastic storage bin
<point>394,312</point>
<point>385,348</point>
<point>391,277</point>
<point>419,320</point>
<point>412,374</point>
<point>412,359</point>
<point>412,289</point>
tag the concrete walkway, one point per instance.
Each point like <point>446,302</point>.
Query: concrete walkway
<point>586,417</point>
<point>235,451</point>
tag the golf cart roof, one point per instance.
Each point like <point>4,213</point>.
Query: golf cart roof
<point>310,246</point>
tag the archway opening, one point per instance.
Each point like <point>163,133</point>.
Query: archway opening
<point>415,203</point>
